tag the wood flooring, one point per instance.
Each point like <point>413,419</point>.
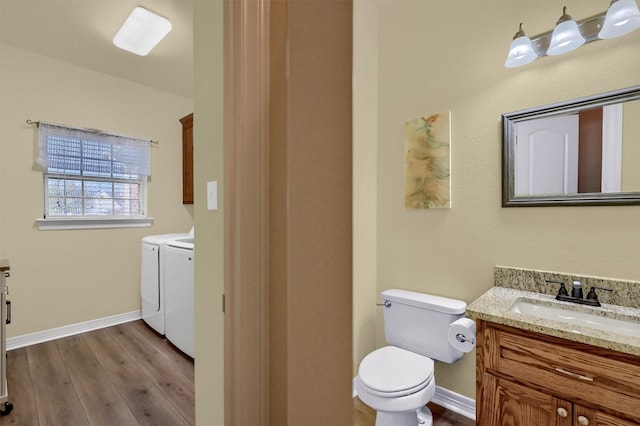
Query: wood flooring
<point>121,375</point>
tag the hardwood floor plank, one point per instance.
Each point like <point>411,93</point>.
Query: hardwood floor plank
<point>444,417</point>
<point>110,355</point>
<point>363,415</point>
<point>181,362</point>
<point>175,386</point>
<point>56,400</point>
<point>144,398</point>
<point>101,401</point>
<point>20,390</point>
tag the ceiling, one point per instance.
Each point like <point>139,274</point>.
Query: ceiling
<point>81,32</point>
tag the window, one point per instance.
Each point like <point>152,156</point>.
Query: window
<point>93,175</point>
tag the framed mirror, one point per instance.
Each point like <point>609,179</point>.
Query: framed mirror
<point>580,152</point>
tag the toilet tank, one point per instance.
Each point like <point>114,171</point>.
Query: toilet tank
<point>419,323</point>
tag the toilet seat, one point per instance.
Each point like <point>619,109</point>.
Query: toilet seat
<point>391,372</point>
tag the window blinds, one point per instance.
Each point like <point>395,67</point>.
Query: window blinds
<point>83,152</point>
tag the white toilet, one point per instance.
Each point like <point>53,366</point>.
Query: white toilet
<point>397,380</point>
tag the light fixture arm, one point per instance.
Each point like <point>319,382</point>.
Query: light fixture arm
<point>565,16</point>
<point>521,32</point>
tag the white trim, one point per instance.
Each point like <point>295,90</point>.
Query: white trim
<point>70,330</point>
<point>450,400</point>
<point>611,148</point>
<point>455,402</point>
<point>58,223</point>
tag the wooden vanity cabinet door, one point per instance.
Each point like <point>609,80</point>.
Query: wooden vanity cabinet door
<point>507,403</point>
<point>187,159</point>
<point>583,416</point>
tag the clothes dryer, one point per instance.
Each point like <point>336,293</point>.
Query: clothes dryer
<point>179,290</point>
<point>152,279</point>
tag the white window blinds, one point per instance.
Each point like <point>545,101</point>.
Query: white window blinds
<point>92,173</point>
<point>80,151</point>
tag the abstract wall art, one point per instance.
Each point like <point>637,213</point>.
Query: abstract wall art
<point>427,147</point>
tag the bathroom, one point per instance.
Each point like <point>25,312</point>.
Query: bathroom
<point>457,65</point>
<point>445,64</point>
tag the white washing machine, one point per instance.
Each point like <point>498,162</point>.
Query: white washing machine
<point>180,294</point>
<point>152,287</point>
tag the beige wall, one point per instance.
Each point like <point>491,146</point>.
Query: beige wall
<point>365,170</point>
<point>440,55</point>
<point>65,277</point>
<point>208,166</point>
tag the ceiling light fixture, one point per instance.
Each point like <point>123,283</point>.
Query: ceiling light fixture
<point>142,31</point>
<point>621,18</point>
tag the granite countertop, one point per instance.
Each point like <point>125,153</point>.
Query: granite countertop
<point>495,304</point>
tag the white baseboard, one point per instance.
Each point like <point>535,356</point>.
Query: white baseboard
<point>70,330</point>
<point>450,400</point>
<point>455,402</point>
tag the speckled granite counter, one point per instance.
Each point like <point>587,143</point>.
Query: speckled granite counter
<point>495,306</point>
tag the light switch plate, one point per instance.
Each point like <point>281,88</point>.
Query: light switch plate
<point>212,195</point>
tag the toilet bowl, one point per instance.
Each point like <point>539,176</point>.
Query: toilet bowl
<point>397,384</point>
<point>398,380</point>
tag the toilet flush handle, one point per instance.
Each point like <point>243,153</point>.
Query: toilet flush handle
<point>386,304</point>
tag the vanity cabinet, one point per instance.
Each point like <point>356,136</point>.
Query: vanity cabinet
<point>526,378</point>
<point>187,159</point>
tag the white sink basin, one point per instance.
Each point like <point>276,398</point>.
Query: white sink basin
<point>558,312</point>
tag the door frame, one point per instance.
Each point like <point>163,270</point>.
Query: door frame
<point>246,82</point>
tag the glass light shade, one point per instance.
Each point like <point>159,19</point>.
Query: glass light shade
<point>565,38</point>
<point>520,53</point>
<point>622,18</point>
<point>142,31</point>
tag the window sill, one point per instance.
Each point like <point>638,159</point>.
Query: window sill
<point>59,223</point>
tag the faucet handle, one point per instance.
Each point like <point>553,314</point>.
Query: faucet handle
<point>592,292</point>
<point>562,291</point>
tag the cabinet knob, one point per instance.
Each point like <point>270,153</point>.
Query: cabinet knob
<point>562,412</point>
<point>583,420</point>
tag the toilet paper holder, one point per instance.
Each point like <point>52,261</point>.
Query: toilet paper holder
<point>462,339</point>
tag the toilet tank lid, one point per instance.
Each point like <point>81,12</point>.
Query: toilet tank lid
<point>426,301</point>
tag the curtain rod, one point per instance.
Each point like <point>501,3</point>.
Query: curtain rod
<point>37,123</point>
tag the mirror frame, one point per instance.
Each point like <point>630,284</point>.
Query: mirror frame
<point>509,121</point>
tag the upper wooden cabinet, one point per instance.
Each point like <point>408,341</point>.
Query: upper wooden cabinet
<point>187,159</point>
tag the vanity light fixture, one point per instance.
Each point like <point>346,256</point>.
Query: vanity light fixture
<point>566,36</point>
<point>621,18</point>
<point>142,31</point>
<point>521,50</point>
